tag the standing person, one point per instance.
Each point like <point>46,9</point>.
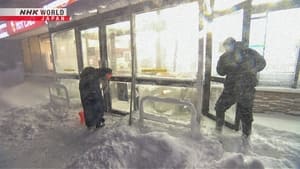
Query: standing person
<point>240,66</point>
<point>91,97</point>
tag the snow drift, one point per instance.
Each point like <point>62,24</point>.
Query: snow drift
<point>126,147</point>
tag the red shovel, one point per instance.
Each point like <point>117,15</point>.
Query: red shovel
<point>81,115</point>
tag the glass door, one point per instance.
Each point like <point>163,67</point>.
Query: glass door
<point>90,47</point>
<point>229,25</point>
<point>167,53</point>
<point>118,43</point>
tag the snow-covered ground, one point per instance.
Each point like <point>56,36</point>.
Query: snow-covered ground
<point>32,136</point>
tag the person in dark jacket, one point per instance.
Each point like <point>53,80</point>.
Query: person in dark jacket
<point>240,66</point>
<point>91,96</point>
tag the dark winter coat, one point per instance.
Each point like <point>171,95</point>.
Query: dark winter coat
<point>240,68</point>
<point>90,93</point>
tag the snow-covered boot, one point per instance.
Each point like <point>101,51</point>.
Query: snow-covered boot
<point>100,123</point>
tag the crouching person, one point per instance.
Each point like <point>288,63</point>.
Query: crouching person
<point>91,97</point>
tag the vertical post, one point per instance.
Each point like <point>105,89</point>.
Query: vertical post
<point>78,49</point>
<point>297,71</point>
<point>200,74</point>
<point>207,74</point>
<point>246,23</point>
<point>208,55</point>
<point>103,50</point>
<point>52,55</point>
<point>133,67</point>
<point>104,60</point>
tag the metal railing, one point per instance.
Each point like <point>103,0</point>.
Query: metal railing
<point>194,124</point>
<point>59,100</point>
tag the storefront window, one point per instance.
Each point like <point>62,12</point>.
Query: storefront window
<point>257,34</point>
<point>119,48</point>
<point>46,53</point>
<point>27,56</point>
<point>167,42</point>
<point>281,47</point>
<point>90,47</point>
<point>38,66</point>
<point>37,55</point>
<point>223,27</point>
<point>64,48</point>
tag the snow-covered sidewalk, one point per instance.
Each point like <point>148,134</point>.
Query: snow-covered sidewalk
<point>36,138</point>
<point>32,136</point>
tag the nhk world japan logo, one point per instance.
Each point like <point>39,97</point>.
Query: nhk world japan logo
<point>34,14</point>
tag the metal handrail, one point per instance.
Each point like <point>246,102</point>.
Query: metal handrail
<point>59,86</point>
<point>194,124</point>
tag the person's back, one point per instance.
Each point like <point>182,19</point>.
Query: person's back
<point>91,96</point>
<point>89,82</point>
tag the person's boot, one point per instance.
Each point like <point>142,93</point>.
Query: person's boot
<point>100,123</point>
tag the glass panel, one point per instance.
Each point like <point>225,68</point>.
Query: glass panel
<point>35,52</point>
<point>46,54</point>
<point>64,48</point>
<point>167,42</point>
<point>119,48</point>
<point>172,112</point>
<point>225,4</point>
<point>120,95</point>
<point>222,28</point>
<point>281,51</point>
<point>257,35</point>
<point>216,90</point>
<point>27,56</point>
<point>90,47</point>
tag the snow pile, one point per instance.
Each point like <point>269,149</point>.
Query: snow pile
<point>126,147</point>
<point>238,161</point>
<point>19,124</point>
